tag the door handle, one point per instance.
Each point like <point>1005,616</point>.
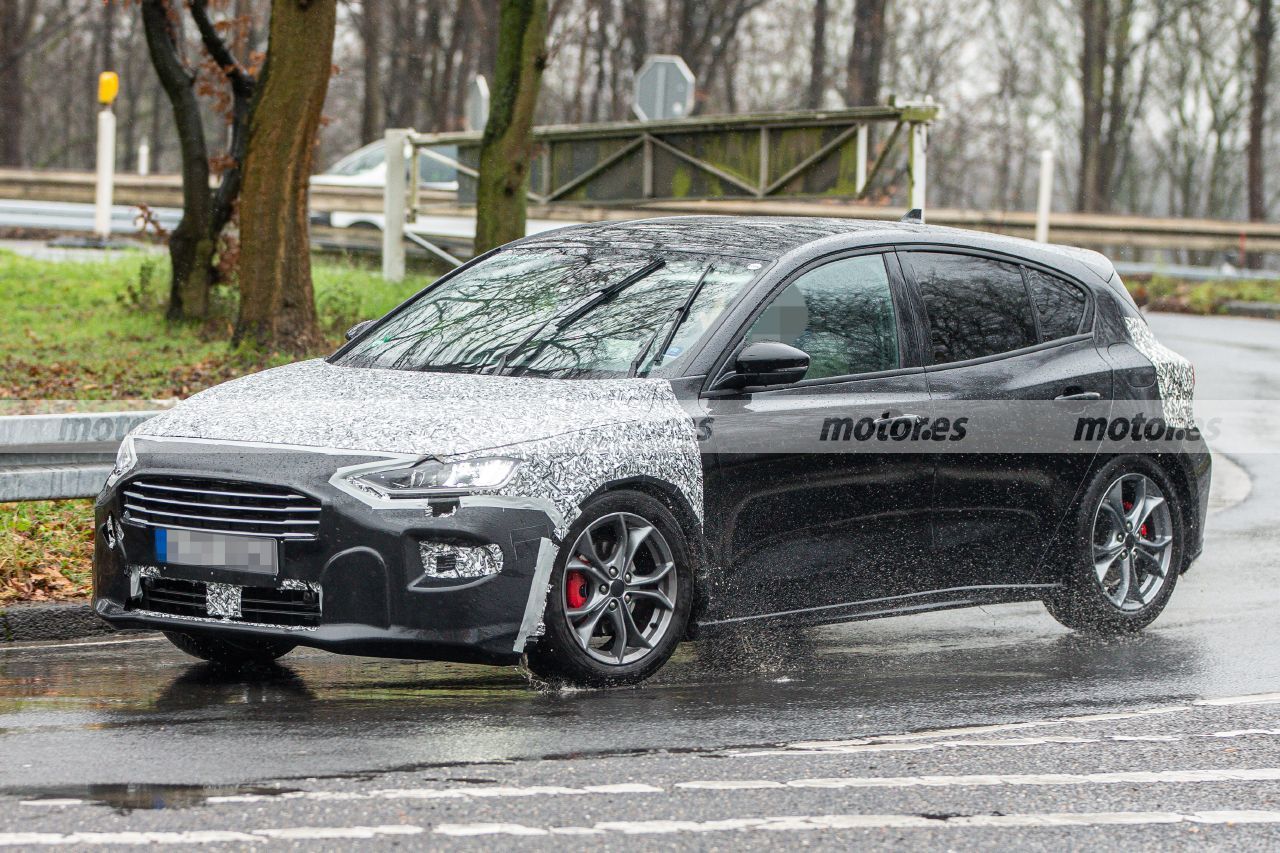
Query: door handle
<point>1080,395</point>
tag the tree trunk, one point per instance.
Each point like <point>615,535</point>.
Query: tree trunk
<point>1094,19</point>
<point>191,247</point>
<point>372,111</point>
<point>15,30</point>
<point>818,57</point>
<point>507,146</point>
<point>1263,34</point>
<point>866,54</point>
<point>277,303</point>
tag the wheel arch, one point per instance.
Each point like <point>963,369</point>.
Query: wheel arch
<point>1177,468</point>
<point>678,505</point>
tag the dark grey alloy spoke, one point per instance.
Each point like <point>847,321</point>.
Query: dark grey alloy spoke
<point>630,590</point>
<point>1132,542</point>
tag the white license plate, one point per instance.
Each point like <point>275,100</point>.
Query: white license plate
<point>215,550</point>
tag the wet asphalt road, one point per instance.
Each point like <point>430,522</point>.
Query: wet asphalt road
<point>797,741</point>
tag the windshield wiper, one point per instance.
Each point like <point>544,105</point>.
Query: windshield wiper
<point>595,301</point>
<point>681,316</point>
<point>644,351</point>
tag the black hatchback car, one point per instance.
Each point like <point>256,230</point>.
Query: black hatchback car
<point>589,445</point>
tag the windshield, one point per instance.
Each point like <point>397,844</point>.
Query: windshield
<point>563,313</point>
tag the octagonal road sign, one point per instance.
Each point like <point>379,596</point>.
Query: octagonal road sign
<point>664,89</point>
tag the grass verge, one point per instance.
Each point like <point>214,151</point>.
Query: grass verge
<point>92,336</point>
<point>96,331</point>
<point>1160,293</point>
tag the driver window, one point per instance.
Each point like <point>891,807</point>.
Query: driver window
<point>841,314</point>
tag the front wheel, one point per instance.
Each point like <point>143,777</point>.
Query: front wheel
<point>1126,551</point>
<point>620,595</point>
<point>229,653</point>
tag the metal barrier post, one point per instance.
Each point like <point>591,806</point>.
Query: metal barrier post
<point>108,88</point>
<point>916,166</point>
<point>393,205</point>
<point>1045,199</point>
<point>860,151</point>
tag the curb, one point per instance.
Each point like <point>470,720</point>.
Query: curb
<point>1262,310</point>
<point>51,621</point>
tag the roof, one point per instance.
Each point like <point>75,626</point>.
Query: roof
<point>763,237</point>
<point>770,237</point>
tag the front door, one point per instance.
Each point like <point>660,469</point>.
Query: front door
<point>816,494</point>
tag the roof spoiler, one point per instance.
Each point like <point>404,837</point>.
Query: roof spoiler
<point>915,216</point>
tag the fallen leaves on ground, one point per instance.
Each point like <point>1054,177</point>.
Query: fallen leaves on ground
<point>46,550</point>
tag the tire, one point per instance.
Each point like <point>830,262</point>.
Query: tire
<point>583,592</point>
<point>229,653</point>
<point>1125,593</point>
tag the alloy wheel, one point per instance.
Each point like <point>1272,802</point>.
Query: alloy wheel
<point>1132,542</point>
<point>619,588</point>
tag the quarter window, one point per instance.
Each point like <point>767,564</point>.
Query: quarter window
<point>1060,306</point>
<point>841,314</point>
<point>977,307</point>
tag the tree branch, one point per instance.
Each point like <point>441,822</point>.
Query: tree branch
<point>218,50</point>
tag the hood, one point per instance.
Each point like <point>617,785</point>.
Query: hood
<point>316,404</point>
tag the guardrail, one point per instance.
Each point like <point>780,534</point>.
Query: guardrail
<point>166,191</point>
<point>49,457</point>
<point>1087,229</point>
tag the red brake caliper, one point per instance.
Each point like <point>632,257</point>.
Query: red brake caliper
<point>575,590</point>
<point>1142,531</point>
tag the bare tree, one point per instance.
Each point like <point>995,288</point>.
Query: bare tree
<point>277,301</point>
<point>507,147</point>
<point>372,108</point>
<point>1264,31</point>
<point>17,31</point>
<point>818,57</point>
<point>205,213</point>
<point>866,53</point>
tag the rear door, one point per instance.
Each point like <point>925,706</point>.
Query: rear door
<point>1010,350</point>
<point>807,507</point>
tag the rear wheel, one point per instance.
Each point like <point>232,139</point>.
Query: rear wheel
<point>1126,551</point>
<point>229,653</point>
<point>620,595</point>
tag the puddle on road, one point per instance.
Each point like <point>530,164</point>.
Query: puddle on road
<point>132,797</point>
<point>125,798</point>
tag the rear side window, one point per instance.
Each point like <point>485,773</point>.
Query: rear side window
<point>1060,305</point>
<point>841,314</point>
<point>977,307</point>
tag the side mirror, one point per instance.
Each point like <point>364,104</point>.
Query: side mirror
<point>766,363</point>
<point>358,329</point>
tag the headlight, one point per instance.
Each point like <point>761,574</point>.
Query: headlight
<point>433,477</point>
<point>126,459</point>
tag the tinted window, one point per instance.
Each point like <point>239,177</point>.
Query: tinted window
<point>1060,305</point>
<point>977,307</point>
<point>841,314</point>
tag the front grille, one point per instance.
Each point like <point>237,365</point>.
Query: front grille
<point>177,598</point>
<point>222,507</point>
<point>294,608</point>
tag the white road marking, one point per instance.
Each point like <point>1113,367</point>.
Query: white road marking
<point>808,823</point>
<point>22,647</point>
<point>1143,777</point>
<point>882,743</point>
<point>1253,699</point>
<point>470,791</point>
<point>204,836</point>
